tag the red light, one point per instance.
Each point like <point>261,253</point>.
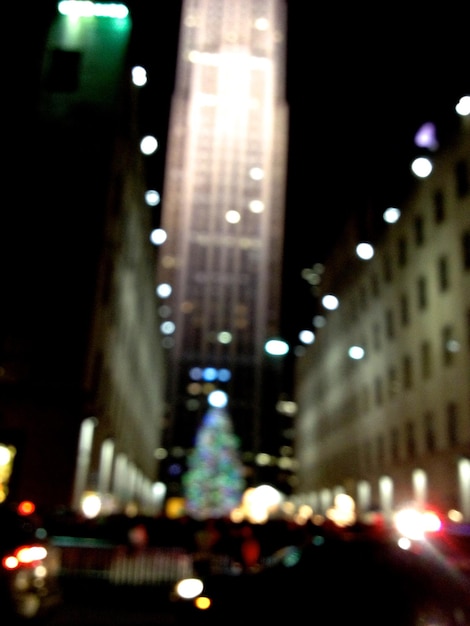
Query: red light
<point>26,507</point>
<point>25,556</point>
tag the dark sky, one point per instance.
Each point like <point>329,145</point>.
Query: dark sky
<point>359,86</point>
<point>360,82</point>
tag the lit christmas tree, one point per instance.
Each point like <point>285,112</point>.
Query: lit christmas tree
<point>213,483</point>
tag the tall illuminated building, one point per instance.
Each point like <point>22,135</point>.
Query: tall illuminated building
<point>223,210</point>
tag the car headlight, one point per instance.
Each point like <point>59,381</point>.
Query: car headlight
<point>189,588</point>
<point>415,524</point>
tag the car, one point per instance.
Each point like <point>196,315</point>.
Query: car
<point>29,566</point>
<point>339,576</point>
<point>354,577</point>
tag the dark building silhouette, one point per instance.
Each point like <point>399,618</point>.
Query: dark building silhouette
<point>82,373</point>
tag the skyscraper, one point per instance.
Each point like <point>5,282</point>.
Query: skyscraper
<point>223,211</point>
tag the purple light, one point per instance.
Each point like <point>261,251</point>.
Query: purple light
<point>426,137</point>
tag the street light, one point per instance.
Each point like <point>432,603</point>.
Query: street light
<point>276,347</point>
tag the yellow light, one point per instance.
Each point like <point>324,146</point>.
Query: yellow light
<point>5,454</point>
<point>203,602</point>
<point>175,507</point>
<point>91,504</point>
<point>10,562</point>
<point>29,554</point>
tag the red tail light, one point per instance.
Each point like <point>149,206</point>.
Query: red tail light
<point>24,556</point>
<point>26,507</point>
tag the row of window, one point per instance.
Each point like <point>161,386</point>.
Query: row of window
<point>375,453</point>
<point>449,348</point>
<point>410,441</point>
<point>404,376</point>
<point>443,279</point>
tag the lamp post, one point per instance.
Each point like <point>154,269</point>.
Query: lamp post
<point>268,435</point>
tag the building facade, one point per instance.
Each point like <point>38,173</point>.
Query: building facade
<point>82,368</point>
<point>394,426</point>
<point>223,211</point>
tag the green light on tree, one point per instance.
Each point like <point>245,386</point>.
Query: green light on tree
<point>213,484</point>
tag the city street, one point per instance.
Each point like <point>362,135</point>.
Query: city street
<point>95,604</point>
<point>333,581</point>
<point>92,603</point>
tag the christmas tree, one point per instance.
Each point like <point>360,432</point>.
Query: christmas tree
<point>213,483</point>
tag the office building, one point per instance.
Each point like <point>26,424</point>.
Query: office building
<point>223,212</point>
<point>82,369</point>
<point>389,422</point>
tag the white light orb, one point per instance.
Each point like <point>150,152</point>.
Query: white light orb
<point>421,167</point>
<point>391,215</point>
<point>330,302</point>
<point>463,106</point>
<point>158,236</point>
<point>163,290</point>
<point>307,337</point>
<point>152,197</point>
<point>218,399</point>
<point>148,145</point>
<point>365,251</point>
<point>139,76</point>
<point>276,347</point>
<point>356,352</point>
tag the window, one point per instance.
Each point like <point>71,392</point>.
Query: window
<point>468,328</point>
<point>395,448</point>
<point>410,439</point>
<point>461,174</point>
<point>439,208</point>
<point>375,285</point>
<point>389,324</point>
<point>353,310</point>
<point>419,230</point>
<point>404,310</point>
<point>365,399</point>
<point>443,273</point>
<point>376,336</point>
<point>466,250</point>
<point>448,345</point>
<point>380,451</point>
<point>452,424</point>
<point>363,297</point>
<point>387,267</point>
<point>378,391</point>
<point>402,252</point>
<point>430,437</point>
<point>407,372</point>
<point>393,384</point>
<point>422,293</point>
<point>367,455</point>
<point>426,365</point>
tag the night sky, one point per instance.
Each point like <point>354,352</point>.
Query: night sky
<point>360,83</point>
